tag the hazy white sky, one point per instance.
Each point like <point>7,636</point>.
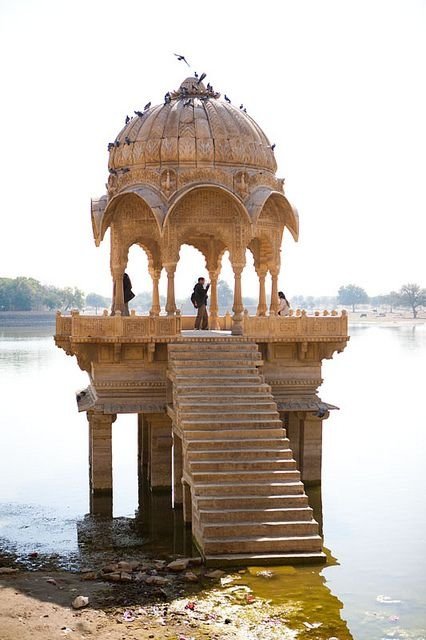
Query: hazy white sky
<point>338,85</point>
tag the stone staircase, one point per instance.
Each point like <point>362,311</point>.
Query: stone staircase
<point>248,502</point>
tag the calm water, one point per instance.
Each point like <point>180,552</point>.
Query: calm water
<point>374,514</point>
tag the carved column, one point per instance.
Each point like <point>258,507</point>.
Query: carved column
<point>156,307</point>
<point>171,303</point>
<point>262,307</point>
<point>237,307</point>
<point>274,306</point>
<point>214,306</point>
<point>100,462</point>
<point>118,291</point>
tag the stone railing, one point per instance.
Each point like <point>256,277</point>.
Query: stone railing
<point>82,327</point>
<point>298,325</point>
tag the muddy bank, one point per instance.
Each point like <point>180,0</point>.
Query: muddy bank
<point>157,599</point>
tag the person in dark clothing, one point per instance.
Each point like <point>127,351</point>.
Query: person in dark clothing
<point>128,293</point>
<point>199,298</point>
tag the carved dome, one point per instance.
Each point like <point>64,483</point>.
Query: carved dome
<point>194,127</point>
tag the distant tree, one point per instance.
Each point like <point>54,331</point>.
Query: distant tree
<point>96,300</point>
<point>353,295</point>
<point>413,296</point>
<point>72,298</point>
<point>225,296</point>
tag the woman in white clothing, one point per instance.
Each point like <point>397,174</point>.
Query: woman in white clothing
<point>284,305</point>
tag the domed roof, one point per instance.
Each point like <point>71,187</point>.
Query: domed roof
<point>193,127</point>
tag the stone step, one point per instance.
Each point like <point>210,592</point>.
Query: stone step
<point>283,514</point>
<point>208,390</point>
<point>215,361</point>
<point>230,344</point>
<point>242,465</point>
<point>212,370</point>
<point>265,529</point>
<point>185,356</point>
<point>264,544</point>
<point>240,455</point>
<point>213,404</point>
<point>245,438</point>
<point>230,477</point>
<point>250,501</point>
<point>264,559</point>
<point>227,414</point>
<point>216,380</point>
<point>219,423</point>
<point>246,444</point>
<point>252,488</point>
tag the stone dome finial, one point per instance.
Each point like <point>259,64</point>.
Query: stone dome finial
<point>192,87</point>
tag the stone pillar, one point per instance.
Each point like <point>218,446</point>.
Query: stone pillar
<point>312,449</point>
<point>294,431</point>
<point>156,307</point>
<point>274,306</point>
<point>262,307</point>
<point>117,291</point>
<point>171,303</point>
<point>214,306</point>
<point>160,449</point>
<point>237,307</point>
<point>177,455</point>
<point>100,462</point>
<point>187,502</point>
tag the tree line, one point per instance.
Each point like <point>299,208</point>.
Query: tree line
<point>28,294</point>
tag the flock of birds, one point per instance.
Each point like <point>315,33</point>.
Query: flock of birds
<point>167,100</point>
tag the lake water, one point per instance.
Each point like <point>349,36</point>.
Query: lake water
<point>373,506</point>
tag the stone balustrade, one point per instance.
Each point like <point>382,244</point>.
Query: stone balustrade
<point>296,326</point>
<point>80,327</point>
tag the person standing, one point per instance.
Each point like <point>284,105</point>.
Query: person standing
<point>199,299</point>
<point>128,293</point>
<point>284,305</point>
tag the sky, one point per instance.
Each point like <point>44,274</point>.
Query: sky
<point>338,85</point>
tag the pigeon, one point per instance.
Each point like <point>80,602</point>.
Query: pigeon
<point>241,106</point>
<point>139,114</point>
<point>147,106</point>
<point>188,102</point>
<point>201,78</point>
<point>127,140</point>
<point>181,58</point>
<point>127,119</point>
<point>227,99</point>
<point>117,143</point>
<point>111,145</point>
<point>167,98</point>
<point>273,146</point>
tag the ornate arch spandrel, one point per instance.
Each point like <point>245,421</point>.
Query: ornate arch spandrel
<point>207,213</point>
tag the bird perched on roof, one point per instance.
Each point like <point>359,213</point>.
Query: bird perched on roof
<point>227,99</point>
<point>111,145</point>
<point>201,78</point>
<point>181,58</point>
<point>113,171</point>
<point>127,119</point>
<point>139,114</point>
<point>127,140</point>
<point>195,74</point>
<point>167,98</point>
<point>188,102</point>
<point>147,106</point>
<point>117,143</point>
<point>273,146</point>
<point>241,106</point>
